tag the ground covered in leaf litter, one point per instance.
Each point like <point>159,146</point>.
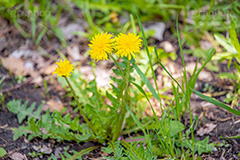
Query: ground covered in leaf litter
<point>36,67</point>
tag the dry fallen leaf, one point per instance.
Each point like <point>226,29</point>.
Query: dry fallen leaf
<point>55,104</point>
<point>206,129</point>
<point>17,66</point>
<point>74,53</point>
<point>57,152</point>
<point>37,80</point>
<point>49,69</point>
<point>17,156</point>
<point>46,150</point>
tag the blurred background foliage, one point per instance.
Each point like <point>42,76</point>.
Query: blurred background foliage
<point>198,17</point>
<point>199,21</point>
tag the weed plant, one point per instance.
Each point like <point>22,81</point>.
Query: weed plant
<point>163,136</point>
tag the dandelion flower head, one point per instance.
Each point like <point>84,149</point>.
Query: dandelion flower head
<point>101,44</point>
<point>64,68</point>
<point>127,45</point>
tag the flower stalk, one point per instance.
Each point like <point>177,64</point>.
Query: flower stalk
<point>80,107</point>
<point>124,45</point>
<point>125,100</point>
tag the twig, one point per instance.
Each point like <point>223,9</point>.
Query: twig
<point>16,86</point>
<point>6,142</point>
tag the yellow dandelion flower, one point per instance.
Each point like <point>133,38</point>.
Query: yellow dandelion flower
<point>127,45</point>
<point>101,44</point>
<point>64,68</point>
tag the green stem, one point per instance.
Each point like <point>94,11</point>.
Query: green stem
<point>80,107</point>
<point>123,109</point>
<point>192,128</point>
<point>187,87</point>
<point>115,61</point>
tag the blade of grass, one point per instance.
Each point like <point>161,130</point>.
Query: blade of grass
<point>147,138</point>
<point>130,149</point>
<point>33,19</point>
<point>147,82</point>
<point>135,119</point>
<point>41,35</point>
<point>187,91</point>
<point>133,24</point>
<point>82,152</point>
<point>155,50</point>
<point>142,91</point>
<point>193,80</point>
<point>150,58</point>
<point>217,103</point>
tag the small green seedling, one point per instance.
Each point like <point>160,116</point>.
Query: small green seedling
<point>2,152</point>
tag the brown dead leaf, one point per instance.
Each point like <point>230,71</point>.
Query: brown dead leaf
<point>17,156</point>
<point>17,66</point>
<point>209,127</point>
<point>55,104</point>
<point>74,53</point>
<point>37,80</point>
<point>46,150</point>
<point>49,69</point>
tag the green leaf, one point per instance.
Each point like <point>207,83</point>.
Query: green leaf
<point>193,79</point>
<point>234,39</point>
<point>34,126</point>
<point>137,151</point>
<point>144,93</point>
<point>175,127</point>
<point>115,101</point>
<point>203,146</point>
<point>8,3</point>
<point>22,130</point>
<point>22,111</point>
<point>155,50</point>
<point>217,103</point>
<point>2,152</point>
<point>150,60</point>
<point>56,127</point>
<point>199,146</point>
<point>136,120</point>
<point>226,43</point>
<point>224,56</point>
<point>227,75</point>
<point>147,82</point>
<point>115,148</point>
